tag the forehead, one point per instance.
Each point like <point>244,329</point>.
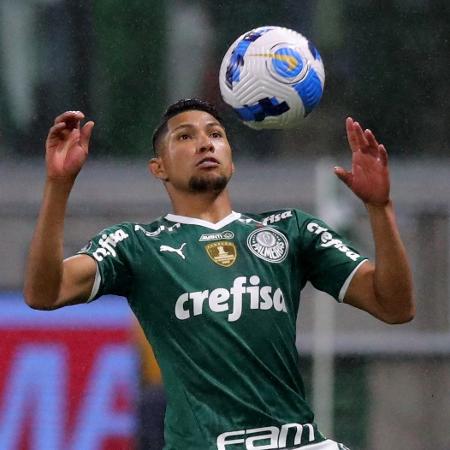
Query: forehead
<point>192,118</point>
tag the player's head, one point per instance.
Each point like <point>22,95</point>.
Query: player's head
<point>185,104</point>
<point>192,152</point>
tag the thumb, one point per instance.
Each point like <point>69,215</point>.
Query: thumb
<point>85,133</point>
<point>343,175</point>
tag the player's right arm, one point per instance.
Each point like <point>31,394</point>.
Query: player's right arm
<point>50,281</point>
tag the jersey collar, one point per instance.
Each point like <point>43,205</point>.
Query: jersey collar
<point>204,223</point>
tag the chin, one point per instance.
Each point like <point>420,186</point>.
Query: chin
<point>208,183</point>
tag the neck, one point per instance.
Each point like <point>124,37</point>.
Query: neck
<point>211,207</point>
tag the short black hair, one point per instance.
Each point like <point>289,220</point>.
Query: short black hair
<point>185,104</point>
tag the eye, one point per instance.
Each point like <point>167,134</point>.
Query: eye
<point>216,134</point>
<point>184,137</point>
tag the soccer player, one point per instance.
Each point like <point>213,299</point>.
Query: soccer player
<point>217,291</point>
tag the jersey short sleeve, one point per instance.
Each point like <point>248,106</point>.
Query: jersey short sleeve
<point>330,259</point>
<point>111,249</point>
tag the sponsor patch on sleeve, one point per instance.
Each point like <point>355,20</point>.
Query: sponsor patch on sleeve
<point>328,241</point>
<point>107,244</point>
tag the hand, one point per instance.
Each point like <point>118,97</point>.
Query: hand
<point>67,146</point>
<point>369,177</point>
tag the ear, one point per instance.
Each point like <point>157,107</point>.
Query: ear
<point>156,167</point>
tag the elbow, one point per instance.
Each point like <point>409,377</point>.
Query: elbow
<point>35,301</point>
<point>29,298</point>
<point>400,317</point>
<point>32,301</point>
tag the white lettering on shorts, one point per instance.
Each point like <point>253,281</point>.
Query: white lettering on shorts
<point>272,437</point>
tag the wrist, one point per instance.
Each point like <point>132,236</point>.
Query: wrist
<point>380,213</point>
<point>60,182</point>
<point>58,186</point>
<point>378,206</point>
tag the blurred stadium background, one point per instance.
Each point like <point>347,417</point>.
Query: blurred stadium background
<point>70,379</point>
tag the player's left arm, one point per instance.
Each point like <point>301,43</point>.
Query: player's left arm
<point>383,289</point>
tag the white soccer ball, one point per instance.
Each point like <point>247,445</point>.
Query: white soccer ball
<point>272,77</point>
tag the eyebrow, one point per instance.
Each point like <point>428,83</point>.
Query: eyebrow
<point>189,125</point>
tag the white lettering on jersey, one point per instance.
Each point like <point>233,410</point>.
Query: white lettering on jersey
<point>222,300</point>
<point>108,243</point>
<point>217,236</point>
<point>167,248</point>
<point>158,231</point>
<point>273,437</point>
<point>247,221</point>
<point>277,217</point>
<point>328,241</point>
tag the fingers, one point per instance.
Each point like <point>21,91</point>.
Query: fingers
<point>357,137</point>
<point>371,138</point>
<point>343,175</point>
<point>383,154</point>
<point>351,134</point>
<point>67,131</point>
<point>71,118</point>
<point>67,122</point>
<point>85,134</point>
<point>57,128</point>
<point>364,140</point>
<point>375,148</point>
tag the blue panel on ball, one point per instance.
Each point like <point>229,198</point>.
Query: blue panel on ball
<point>314,51</point>
<point>309,90</point>
<point>287,62</point>
<point>237,56</point>
<point>264,108</point>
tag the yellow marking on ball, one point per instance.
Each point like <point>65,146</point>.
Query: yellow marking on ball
<point>290,60</point>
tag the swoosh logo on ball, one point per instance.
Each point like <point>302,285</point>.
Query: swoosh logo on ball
<point>290,60</point>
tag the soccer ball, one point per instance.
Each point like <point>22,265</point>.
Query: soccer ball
<point>272,77</point>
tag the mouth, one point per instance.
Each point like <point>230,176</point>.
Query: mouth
<point>208,162</point>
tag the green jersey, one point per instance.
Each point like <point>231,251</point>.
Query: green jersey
<point>219,303</point>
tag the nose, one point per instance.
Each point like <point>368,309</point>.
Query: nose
<point>205,143</point>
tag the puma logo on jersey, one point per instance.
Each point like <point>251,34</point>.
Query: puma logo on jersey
<point>168,248</point>
<point>251,295</point>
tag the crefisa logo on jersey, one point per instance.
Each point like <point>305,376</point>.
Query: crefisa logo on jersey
<point>108,243</point>
<point>268,244</point>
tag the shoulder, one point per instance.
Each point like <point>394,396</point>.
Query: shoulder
<point>133,229</point>
<point>114,234</point>
<point>282,217</point>
<point>119,235</point>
